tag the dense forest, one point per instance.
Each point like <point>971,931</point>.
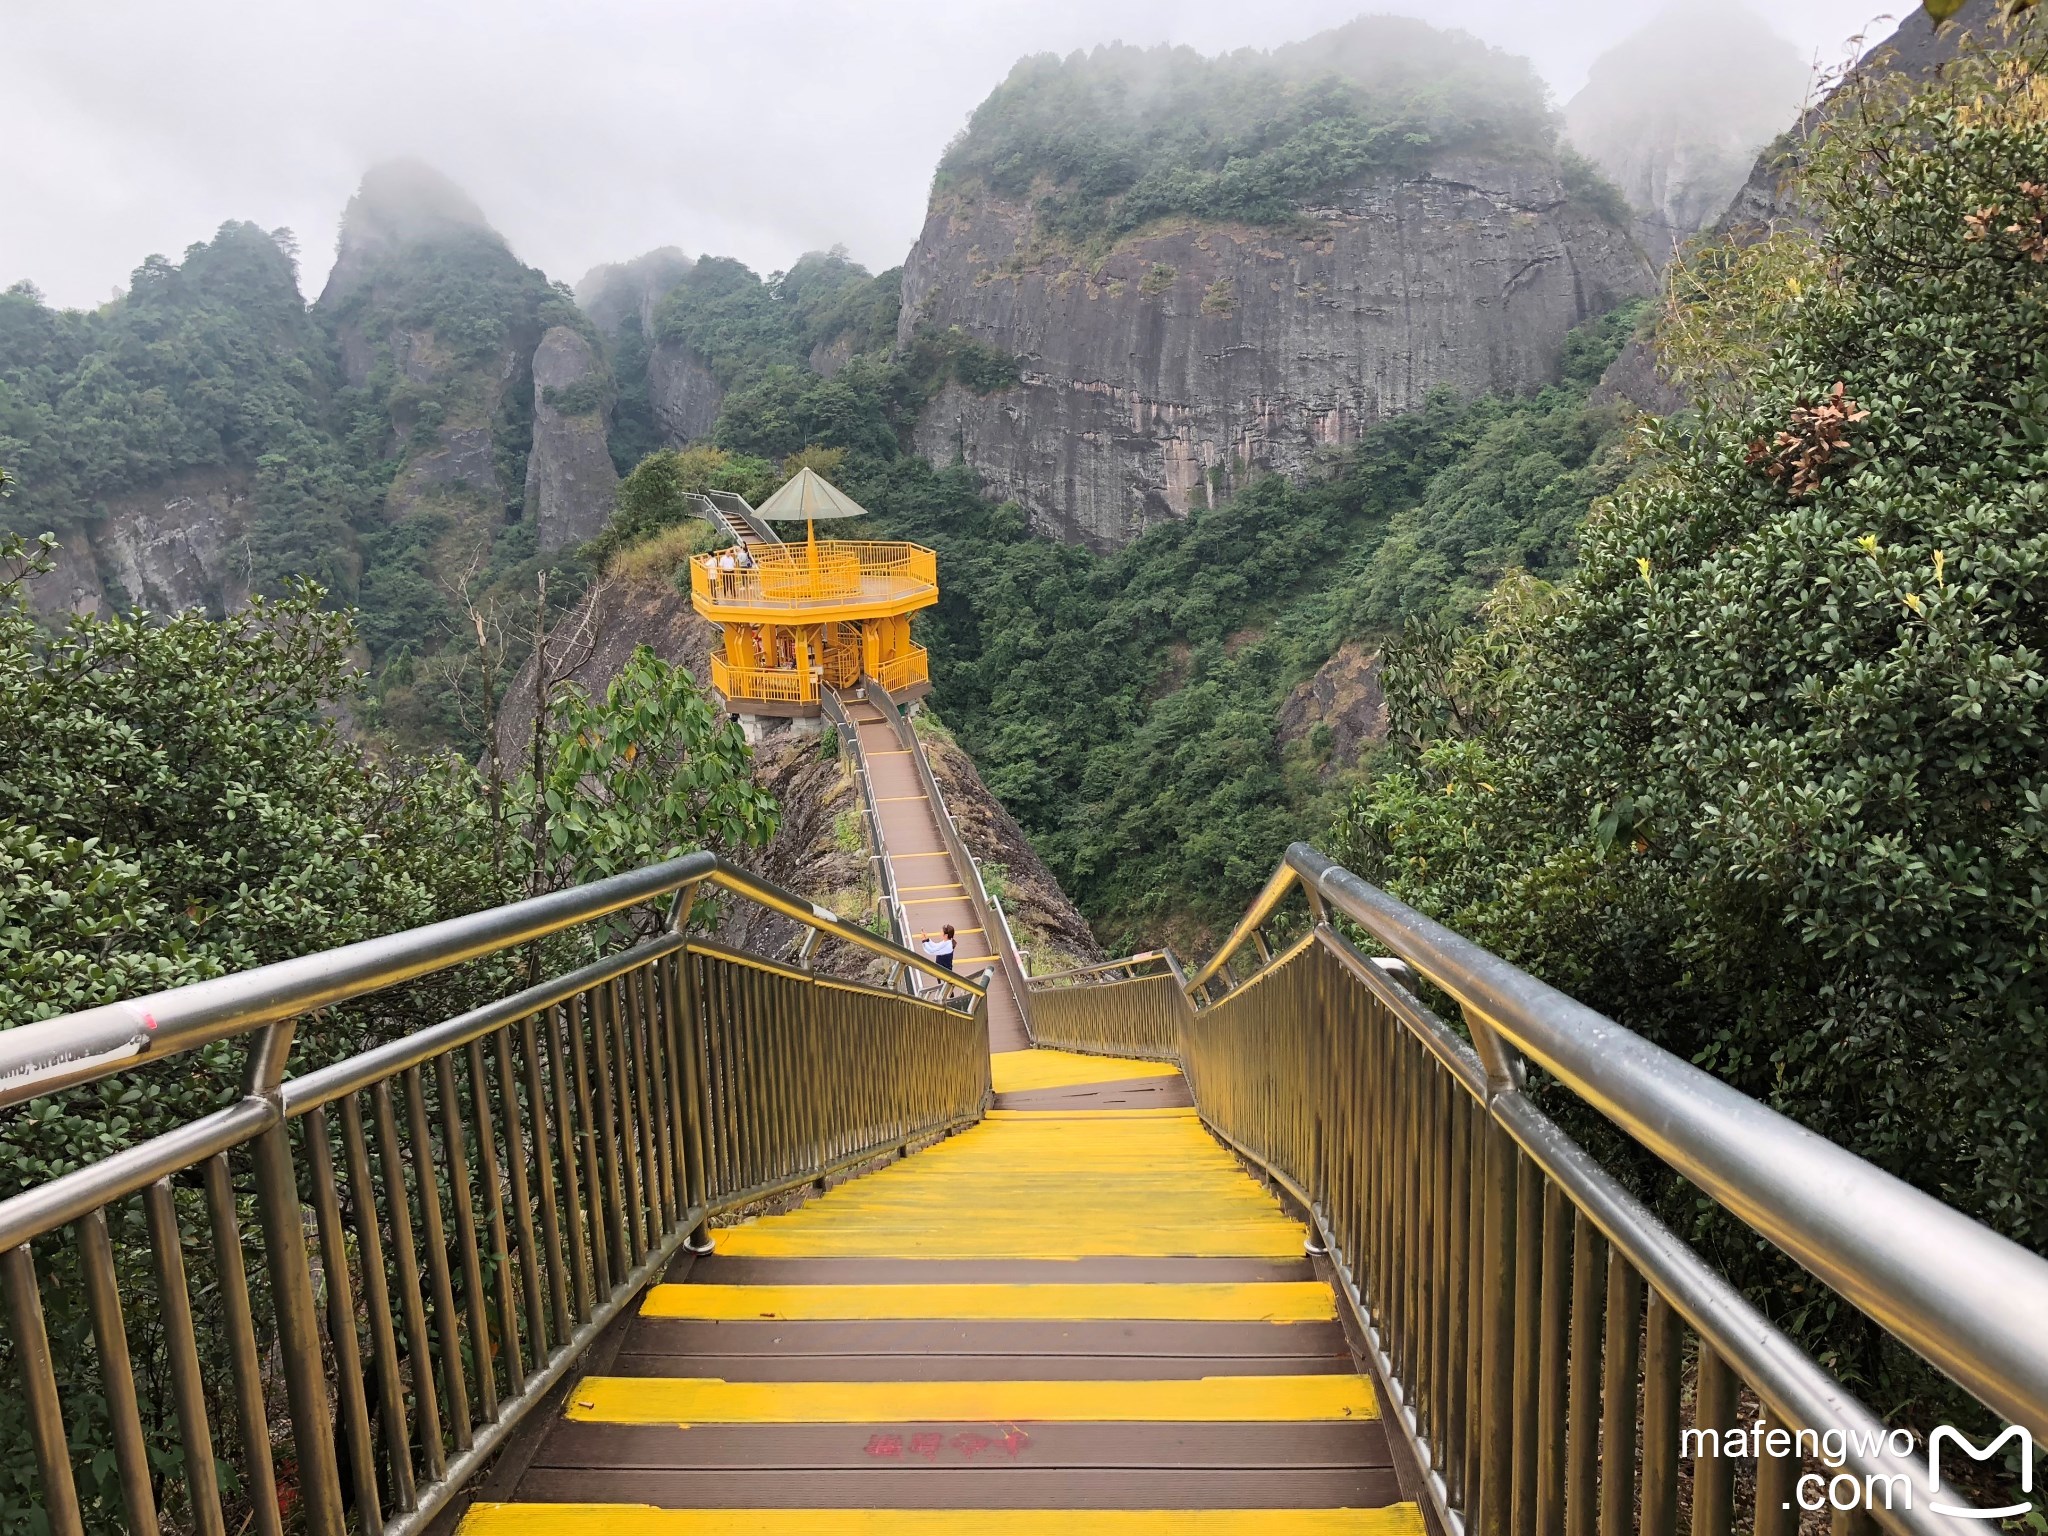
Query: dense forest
<point>1111,139</point>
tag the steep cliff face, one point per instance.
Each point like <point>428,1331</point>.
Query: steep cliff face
<point>1676,114</point>
<point>178,545</point>
<point>609,293</point>
<point>683,392</point>
<point>569,473</point>
<point>1197,354</point>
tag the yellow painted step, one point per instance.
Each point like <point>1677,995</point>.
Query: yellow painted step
<point>1051,1187</point>
<point>1286,1301</point>
<point>641,1520</point>
<point>1020,1071</point>
<point>1210,1399</point>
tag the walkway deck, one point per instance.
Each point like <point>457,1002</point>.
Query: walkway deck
<point>934,892</point>
<point>1062,1309</point>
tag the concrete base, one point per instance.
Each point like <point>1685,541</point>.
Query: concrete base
<point>773,730</point>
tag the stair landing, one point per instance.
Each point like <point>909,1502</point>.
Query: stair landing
<point>1083,1317</point>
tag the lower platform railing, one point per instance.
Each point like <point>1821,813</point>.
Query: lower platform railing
<point>1131,1007</point>
<point>1543,1335</point>
<point>445,1220</point>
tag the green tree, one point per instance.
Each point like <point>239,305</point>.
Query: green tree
<point>1764,780</point>
<point>649,772</point>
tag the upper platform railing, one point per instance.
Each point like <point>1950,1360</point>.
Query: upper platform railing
<point>484,1195</point>
<point>830,578</point>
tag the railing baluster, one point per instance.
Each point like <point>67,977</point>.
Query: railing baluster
<point>1619,1398</point>
<point>1713,1477</point>
<point>462,1200</point>
<point>521,1195</point>
<point>579,1017</point>
<point>117,1373</point>
<point>39,1384</point>
<point>1582,1437</point>
<point>1554,1346</point>
<point>433,1236</point>
<point>411,1304</point>
<point>377,1305</point>
<point>626,1102</point>
<point>259,1472</point>
<point>354,1416</point>
<point>1662,1367</point>
<point>623,1241</point>
<point>1776,1477</point>
<point>1497,1341</point>
<point>1528,1339</point>
<point>566,1101</point>
<point>543,1145</point>
<point>181,1347</point>
<point>507,1304</point>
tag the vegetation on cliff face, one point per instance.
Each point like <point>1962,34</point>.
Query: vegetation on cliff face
<point>211,363</point>
<point>1763,780</point>
<point>1108,140</point>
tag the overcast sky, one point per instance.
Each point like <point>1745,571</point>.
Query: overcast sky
<point>593,131</point>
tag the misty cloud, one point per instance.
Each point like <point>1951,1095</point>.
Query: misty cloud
<point>592,133</point>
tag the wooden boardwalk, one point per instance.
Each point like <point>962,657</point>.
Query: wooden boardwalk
<point>1076,1317</point>
<point>933,890</point>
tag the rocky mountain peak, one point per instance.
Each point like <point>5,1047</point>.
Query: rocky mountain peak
<point>401,203</point>
<point>1675,114</point>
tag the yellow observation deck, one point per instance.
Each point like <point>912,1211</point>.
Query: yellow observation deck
<point>797,619</point>
<point>832,579</point>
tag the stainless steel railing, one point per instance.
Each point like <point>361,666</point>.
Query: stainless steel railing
<point>1536,1325</point>
<point>481,1197</point>
<point>1135,1006</point>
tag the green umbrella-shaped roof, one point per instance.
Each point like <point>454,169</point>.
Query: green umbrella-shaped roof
<point>808,496</point>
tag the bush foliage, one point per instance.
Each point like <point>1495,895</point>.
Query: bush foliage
<point>1763,779</point>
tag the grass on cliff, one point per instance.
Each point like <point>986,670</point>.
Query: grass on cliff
<point>657,560</point>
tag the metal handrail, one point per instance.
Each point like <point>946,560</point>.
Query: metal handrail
<point>1129,965</point>
<point>1965,1298</point>
<point>559,1145</point>
<point>92,1043</point>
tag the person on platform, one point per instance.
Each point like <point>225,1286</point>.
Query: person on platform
<point>939,949</point>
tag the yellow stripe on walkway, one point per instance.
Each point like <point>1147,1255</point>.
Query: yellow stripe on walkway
<point>685,1401</point>
<point>1284,1301</point>
<point>643,1520</point>
<point>1040,1187</point>
<point>1019,1071</point>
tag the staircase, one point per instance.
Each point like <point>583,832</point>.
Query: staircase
<point>931,886</point>
<point>1076,1316</point>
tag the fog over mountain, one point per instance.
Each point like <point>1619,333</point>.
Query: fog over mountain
<point>1676,113</point>
<point>591,134</point>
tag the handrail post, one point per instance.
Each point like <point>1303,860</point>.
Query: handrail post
<point>283,1221</point>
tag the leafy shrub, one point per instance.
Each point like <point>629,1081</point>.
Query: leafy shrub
<point>1763,780</point>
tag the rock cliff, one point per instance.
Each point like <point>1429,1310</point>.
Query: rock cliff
<point>1195,355</point>
<point>175,546</point>
<point>683,392</point>
<point>569,475</point>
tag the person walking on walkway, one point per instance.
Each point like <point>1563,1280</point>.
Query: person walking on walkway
<point>940,949</point>
<point>726,567</point>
